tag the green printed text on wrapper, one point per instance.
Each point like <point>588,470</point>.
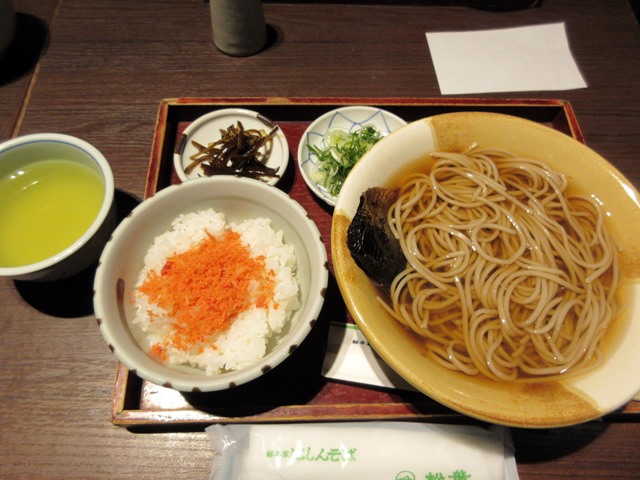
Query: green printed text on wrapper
<point>307,454</point>
<point>355,450</point>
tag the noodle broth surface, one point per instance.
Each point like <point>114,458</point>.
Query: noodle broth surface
<point>543,362</point>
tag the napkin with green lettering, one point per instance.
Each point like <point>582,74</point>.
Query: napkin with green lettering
<point>353,450</point>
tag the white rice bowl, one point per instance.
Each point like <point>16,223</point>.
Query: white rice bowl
<point>123,259</point>
<point>246,340</point>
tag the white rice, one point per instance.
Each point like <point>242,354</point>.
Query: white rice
<point>245,342</point>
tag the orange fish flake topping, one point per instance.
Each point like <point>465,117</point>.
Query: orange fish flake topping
<point>205,288</point>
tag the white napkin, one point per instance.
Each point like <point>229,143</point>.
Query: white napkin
<point>505,60</point>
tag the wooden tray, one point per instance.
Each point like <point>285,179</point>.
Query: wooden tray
<point>296,391</point>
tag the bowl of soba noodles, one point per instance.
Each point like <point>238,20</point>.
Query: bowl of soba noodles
<point>491,262</point>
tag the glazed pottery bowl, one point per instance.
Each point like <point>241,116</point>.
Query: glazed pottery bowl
<point>533,404</point>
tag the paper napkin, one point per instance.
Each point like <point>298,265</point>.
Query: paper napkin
<point>506,60</point>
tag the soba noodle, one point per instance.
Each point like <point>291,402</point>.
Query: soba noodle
<point>508,275</point>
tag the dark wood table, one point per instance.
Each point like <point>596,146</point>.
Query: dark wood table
<point>99,70</point>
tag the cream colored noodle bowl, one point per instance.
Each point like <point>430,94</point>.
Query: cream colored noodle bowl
<point>532,401</point>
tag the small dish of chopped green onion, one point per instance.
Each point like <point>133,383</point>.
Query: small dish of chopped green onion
<point>334,143</point>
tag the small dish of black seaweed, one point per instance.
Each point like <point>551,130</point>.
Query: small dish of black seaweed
<point>232,141</point>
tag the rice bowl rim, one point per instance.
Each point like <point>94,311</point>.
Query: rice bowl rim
<point>113,281</point>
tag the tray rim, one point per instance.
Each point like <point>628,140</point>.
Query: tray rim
<point>167,104</point>
<point>139,418</point>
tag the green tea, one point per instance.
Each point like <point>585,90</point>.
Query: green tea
<point>44,208</point>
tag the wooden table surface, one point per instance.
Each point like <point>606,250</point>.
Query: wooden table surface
<point>98,70</point>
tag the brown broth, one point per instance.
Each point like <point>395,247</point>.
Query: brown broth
<point>624,297</point>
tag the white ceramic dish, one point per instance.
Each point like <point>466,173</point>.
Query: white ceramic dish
<point>206,130</point>
<point>528,404</point>
<point>346,118</point>
<point>238,198</point>
<point>21,151</point>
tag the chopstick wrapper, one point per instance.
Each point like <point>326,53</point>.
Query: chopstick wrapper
<point>530,58</point>
<point>344,451</point>
<point>350,358</point>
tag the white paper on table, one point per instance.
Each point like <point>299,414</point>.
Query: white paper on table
<point>350,358</point>
<point>504,60</point>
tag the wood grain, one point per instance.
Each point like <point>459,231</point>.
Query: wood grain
<point>104,69</point>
